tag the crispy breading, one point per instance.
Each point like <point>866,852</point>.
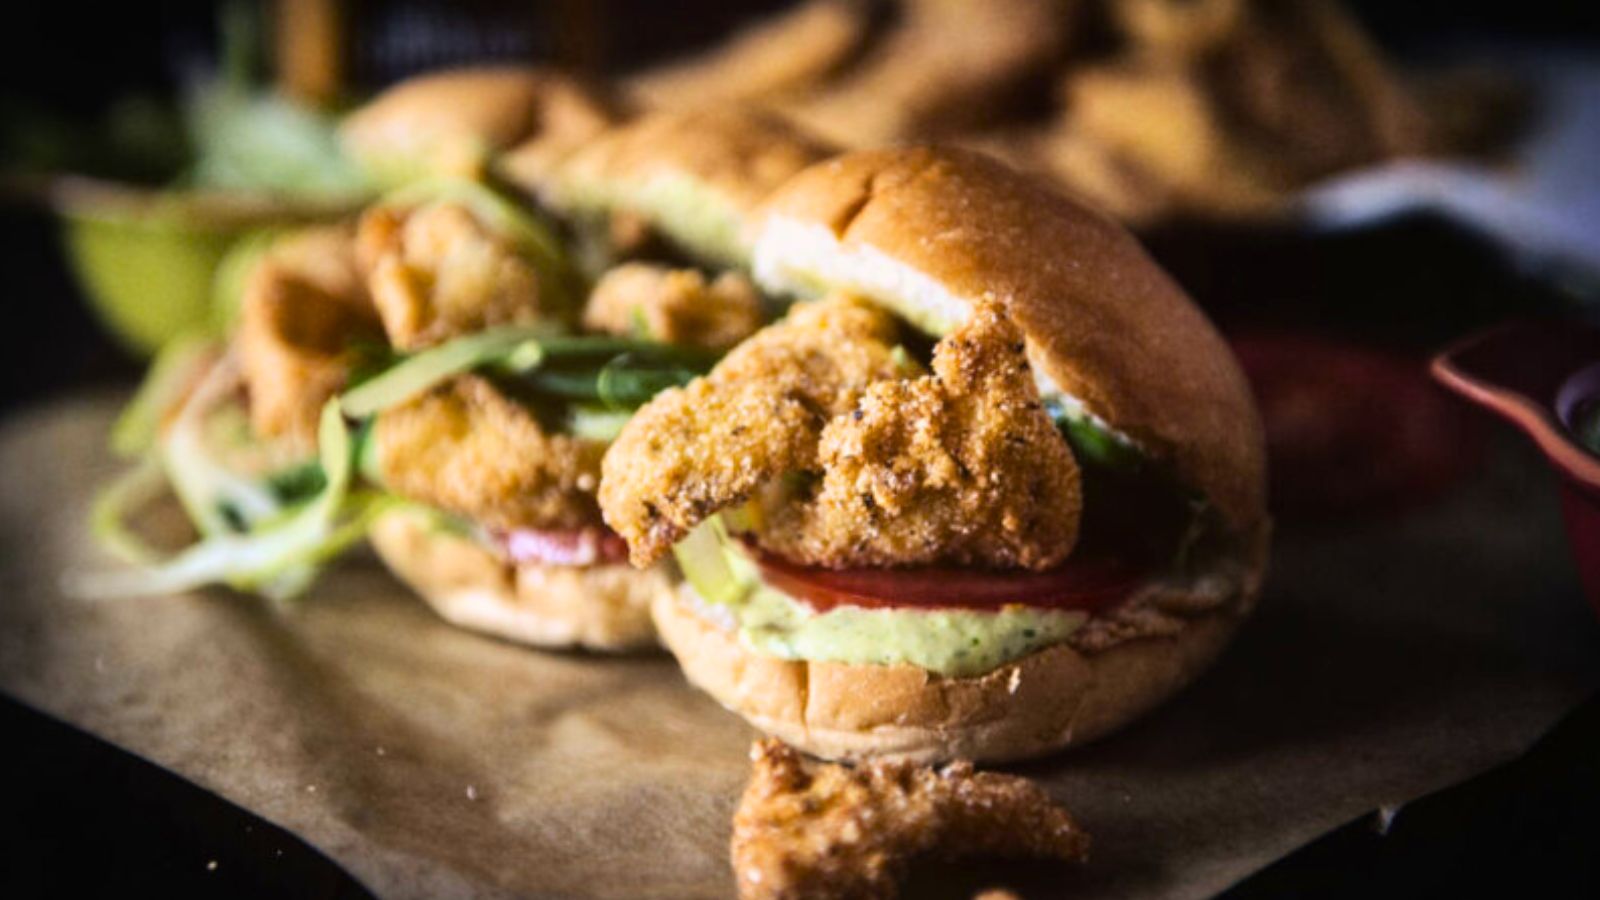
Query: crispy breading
<point>468,449</point>
<point>758,415</point>
<point>821,830</point>
<point>437,272</point>
<point>303,305</point>
<point>963,465</point>
<point>676,306</point>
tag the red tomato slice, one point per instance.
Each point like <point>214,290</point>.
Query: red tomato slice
<point>1076,584</point>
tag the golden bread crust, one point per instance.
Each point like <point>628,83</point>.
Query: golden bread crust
<point>603,607</point>
<point>1053,698</point>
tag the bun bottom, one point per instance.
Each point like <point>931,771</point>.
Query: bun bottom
<point>603,607</point>
<point>1050,699</point>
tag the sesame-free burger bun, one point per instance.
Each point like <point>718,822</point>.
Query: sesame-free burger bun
<point>1117,666</point>
<point>927,231</point>
<point>601,607</point>
<point>1053,698</point>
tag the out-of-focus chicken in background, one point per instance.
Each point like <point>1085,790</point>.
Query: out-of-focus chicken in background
<point>1151,108</point>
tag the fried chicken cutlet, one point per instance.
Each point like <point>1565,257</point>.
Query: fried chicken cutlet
<point>468,449</point>
<point>436,272</point>
<point>962,465</point>
<point>760,413</point>
<point>879,464</point>
<point>302,307</point>
<point>674,306</point>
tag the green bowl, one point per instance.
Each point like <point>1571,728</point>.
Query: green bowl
<point>147,258</point>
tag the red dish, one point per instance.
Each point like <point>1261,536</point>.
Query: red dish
<point>1538,376</point>
<point>1352,429</point>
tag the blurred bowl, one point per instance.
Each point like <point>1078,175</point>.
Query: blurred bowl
<point>1352,430</point>
<point>1544,378</point>
<point>147,258</point>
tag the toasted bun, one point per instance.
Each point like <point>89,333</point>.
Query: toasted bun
<point>1052,698</point>
<point>453,122</point>
<point>696,176</point>
<point>605,607</point>
<point>928,231</point>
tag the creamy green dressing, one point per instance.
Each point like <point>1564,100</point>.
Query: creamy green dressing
<point>955,642</point>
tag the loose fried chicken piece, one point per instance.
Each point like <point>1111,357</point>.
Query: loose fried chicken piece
<point>303,306</point>
<point>676,306</point>
<point>963,465</point>
<point>468,449</point>
<point>822,830</point>
<point>436,272</point>
<point>1226,106</point>
<point>758,415</point>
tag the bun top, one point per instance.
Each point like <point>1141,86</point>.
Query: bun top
<point>928,231</point>
<point>454,121</point>
<point>698,176</point>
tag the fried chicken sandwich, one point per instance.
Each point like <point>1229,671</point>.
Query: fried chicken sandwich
<point>993,486</point>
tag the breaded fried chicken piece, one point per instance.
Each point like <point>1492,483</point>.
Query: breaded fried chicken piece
<point>303,305</point>
<point>820,830</point>
<point>436,272</point>
<point>758,415</point>
<point>468,449</point>
<point>963,465</point>
<point>675,306</point>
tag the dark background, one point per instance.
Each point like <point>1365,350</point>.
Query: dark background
<point>96,820</point>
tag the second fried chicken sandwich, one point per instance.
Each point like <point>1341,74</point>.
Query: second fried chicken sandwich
<point>993,487</point>
<point>508,453</point>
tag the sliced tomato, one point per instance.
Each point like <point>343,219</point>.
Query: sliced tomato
<point>1086,584</point>
<point>567,547</point>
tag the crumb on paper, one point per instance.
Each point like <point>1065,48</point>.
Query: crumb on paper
<point>472,792</point>
<point>311,789</point>
<point>812,830</point>
<point>1383,819</point>
<point>381,752</point>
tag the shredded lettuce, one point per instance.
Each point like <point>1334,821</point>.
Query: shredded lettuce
<point>277,557</point>
<point>616,374</point>
<point>217,499</point>
<point>419,372</point>
<point>134,432</point>
<point>131,491</point>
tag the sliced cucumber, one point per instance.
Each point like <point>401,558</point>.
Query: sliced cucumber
<point>703,557</point>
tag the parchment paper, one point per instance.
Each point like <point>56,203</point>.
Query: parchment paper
<point>434,763</point>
